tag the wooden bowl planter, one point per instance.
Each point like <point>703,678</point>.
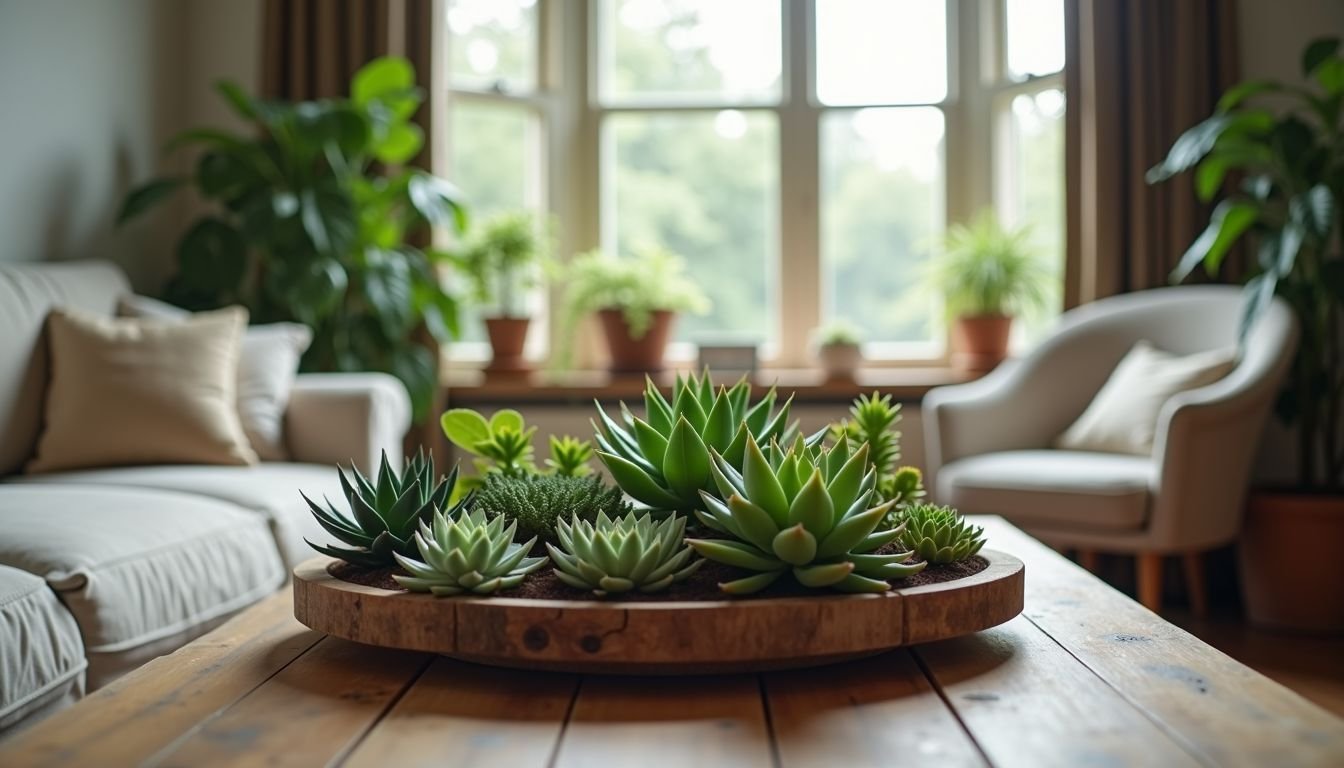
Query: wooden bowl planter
<point>653,637</point>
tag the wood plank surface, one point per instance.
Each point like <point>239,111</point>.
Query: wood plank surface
<point>674,722</point>
<point>1223,711</point>
<point>129,720</point>
<point>879,711</point>
<point>310,713</point>
<point>1027,702</point>
<point>460,714</point>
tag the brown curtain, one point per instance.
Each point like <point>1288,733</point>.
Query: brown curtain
<point>1138,73</point>
<point>313,47</point>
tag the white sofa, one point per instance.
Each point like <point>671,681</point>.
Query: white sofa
<point>104,569</point>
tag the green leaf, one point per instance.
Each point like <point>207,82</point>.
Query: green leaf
<point>465,428</point>
<point>719,423</point>
<point>438,201</point>
<point>1317,53</point>
<point>812,507</point>
<point>824,575</point>
<point>1240,92</point>
<point>1259,293</point>
<point>1190,148</point>
<point>506,418</point>
<point>735,553</point>
<point>763,488</point>
<point>795,545</point>
<point>1227,223</point>
<point>753,523</point>
<point>146,196</point>
<point>401,142</point>
<point>686,463</point>
<point>237,99</point>
<point>380,78</point>
<point>844,486</point>
<point>1331,76</point>
<point>635,482</point>
<point>212,257</point>
<point>651,444</point>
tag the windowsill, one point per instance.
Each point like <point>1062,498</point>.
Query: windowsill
<point>472,388</point>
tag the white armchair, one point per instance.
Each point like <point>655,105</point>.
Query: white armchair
<point>989,451</point>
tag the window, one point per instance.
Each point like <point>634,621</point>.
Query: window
<point>803,156</point>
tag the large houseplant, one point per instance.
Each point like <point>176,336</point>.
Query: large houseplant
<point>636,297</point>
<point>987,274</point>
<point>1288,160</point>
<point>501,260</point>
<point>313,219</point>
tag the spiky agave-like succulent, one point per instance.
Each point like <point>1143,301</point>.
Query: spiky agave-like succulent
<point>805,510</point>
<point>569,456</point>
<point>538,502</point>
<point>384,512</point>
<point>621,554</point>
<point>939,534</point>
<point>467,553</point>
<point>663,460</point>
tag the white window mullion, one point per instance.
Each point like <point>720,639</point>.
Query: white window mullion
<point>800,274</point>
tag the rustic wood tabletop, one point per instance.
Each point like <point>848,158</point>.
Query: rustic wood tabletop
<point>1085,676</point>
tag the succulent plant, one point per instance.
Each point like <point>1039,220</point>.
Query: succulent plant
<point>570,456</point>
<point>467,554</point>
<point>873,420</point>
<point>619,554</point>
<point>663,460</point>
<point>804,510</point>
<point>502,445</point>
<point>384,512</point>
<point>537,502</point>
<point>939,534</point>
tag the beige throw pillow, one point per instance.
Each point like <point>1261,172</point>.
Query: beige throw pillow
<point>266,371</point>
<point>128,391</point>
<point>1122,418</point>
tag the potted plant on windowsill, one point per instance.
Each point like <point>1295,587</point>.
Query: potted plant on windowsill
<point>838,350</point>
<point>501,261</point>
<point>636,298</point>
<point>987,274</point>
<point>1290,205</point>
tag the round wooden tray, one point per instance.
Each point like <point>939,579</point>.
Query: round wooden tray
<point>609,636</point>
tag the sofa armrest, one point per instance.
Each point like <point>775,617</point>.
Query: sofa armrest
<point>339,418</point>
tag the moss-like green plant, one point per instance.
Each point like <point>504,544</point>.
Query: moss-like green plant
<point>537,502</point>
<point>622,554</point>
<point>467,554</point>
<point>384,512</point>
<point>570,456</point>
<point>939,534</point>
<point>663,460</point>
<point>805,511</point>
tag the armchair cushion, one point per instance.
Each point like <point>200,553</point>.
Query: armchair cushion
<point>345,418</point>
<point>1123,417</point>
<point>1049,488</point>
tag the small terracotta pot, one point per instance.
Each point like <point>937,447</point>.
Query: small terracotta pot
<point>840,361</point>
<point>980,342</point>
<point>1291,571</point>
<point>508,336</point>
<point>631,355</point>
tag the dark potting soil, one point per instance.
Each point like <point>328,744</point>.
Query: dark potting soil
<point>701,585</point>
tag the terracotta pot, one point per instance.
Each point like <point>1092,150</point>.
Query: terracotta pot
<point>631,355</point>
<point>1292,574</point>
<point>840,361</point>
<point>980,342</point>
<point>508,335</point>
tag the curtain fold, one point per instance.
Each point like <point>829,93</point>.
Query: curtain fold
<point>1137,74</point>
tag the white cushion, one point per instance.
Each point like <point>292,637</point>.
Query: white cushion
<point>136,565</point>
<point>1122,418</point>
<point>41,656</point>
<point>270,491</point>
<point>267,365</point>
<point>1044,488</point>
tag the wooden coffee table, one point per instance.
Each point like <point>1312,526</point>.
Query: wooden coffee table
<point>1085,676</point>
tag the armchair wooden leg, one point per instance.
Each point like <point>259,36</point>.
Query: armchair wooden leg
<point>1150,581</point>
<point>1088,559</point>
<point>1195,585</point>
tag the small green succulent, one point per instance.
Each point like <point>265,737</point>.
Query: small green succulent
<point>570,456</point>
<point>663,460</point>
<point>502,445</point>
<point>384,511</point>
<point>873,420</point>
<point>537,502</point>
<point>804,510</point>
<point>939,534</point>
<point>467,554</point>
<point>624,553</point>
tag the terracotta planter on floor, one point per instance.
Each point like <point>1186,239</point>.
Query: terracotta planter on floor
<point>631,355</point>
<point>980,342</point>
<point>1292,574</point>
<point>508,336</point>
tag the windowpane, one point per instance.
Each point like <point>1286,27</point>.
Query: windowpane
<point>493,45</point>
<point>495,160</point>
<point>1035,37</point>
<point>704,185</point>
<point>882,208</point>
<point>1032,190</point>
<point>681,50</point>
<point>881,51</point>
